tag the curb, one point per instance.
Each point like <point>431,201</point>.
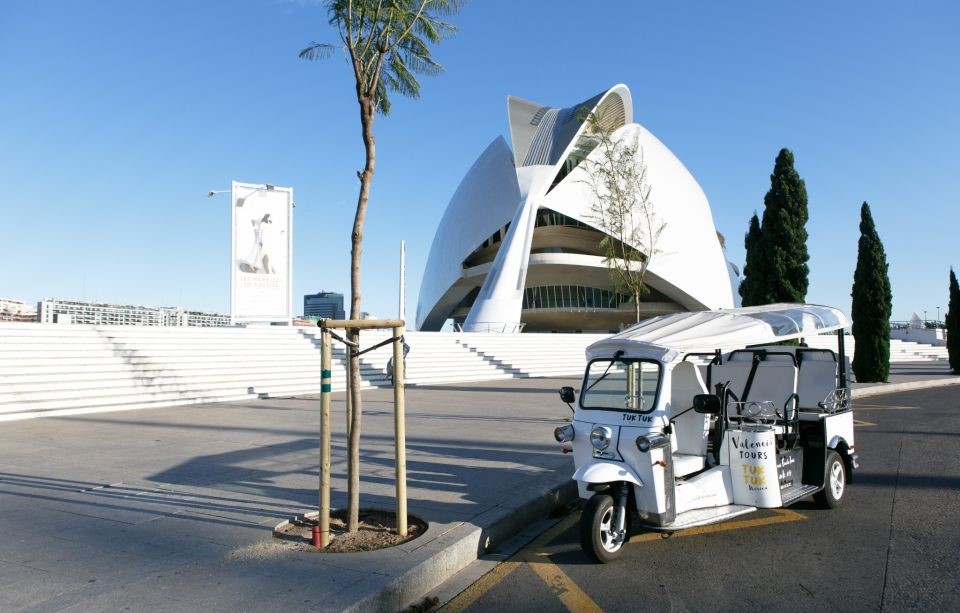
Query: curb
<point>466,547</point>
<point>892,388</point>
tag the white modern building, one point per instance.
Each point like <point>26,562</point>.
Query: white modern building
<point>16,310</point>
<point>55,310</point>
<point>518,245</point>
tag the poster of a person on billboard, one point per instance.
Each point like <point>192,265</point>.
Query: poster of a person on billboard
<point>262,242</point>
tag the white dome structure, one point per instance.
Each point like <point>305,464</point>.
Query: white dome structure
<point>518,243</point>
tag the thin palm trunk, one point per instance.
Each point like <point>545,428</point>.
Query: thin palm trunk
<point>387,43</point>
<point>356,252</point>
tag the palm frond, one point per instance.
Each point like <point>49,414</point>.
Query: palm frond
<point>317,51</point>
<point>424,65</point>
<point>403,81</point>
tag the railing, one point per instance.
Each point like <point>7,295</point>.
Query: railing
<point>491,327</point>
<point>928,324</point>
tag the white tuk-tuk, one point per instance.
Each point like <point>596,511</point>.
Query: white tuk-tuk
<point>694,418</point>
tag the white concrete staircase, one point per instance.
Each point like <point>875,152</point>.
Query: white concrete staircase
<point>532,355</point>
<point>50,369</point>
<point>900,351</point>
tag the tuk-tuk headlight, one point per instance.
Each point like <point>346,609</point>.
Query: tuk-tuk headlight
<point>564,434</point>
<point>652,441</point>
<point>600,437</point>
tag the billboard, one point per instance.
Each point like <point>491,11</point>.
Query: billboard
<point>261,266</point>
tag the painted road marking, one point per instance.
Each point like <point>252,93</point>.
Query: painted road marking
<point>859,423</point>
<point>782,516</point>
<point>883,407</point>
<point>569,593</point>
<point>537,556</point>
<point>503,570</point>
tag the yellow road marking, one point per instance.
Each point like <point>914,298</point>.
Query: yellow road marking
<point>569,593</point>
<point>782,516</point>
<point>470,595</point>
<point>487,582</point>
<point>537,556</point>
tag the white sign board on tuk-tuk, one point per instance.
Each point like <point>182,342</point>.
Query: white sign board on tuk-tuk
<point>261,254</point>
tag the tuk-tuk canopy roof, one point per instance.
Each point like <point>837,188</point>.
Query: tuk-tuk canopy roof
<point>704,331</point>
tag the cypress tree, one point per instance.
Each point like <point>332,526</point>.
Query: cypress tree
<point>872,303</point>
<point>953,324</point>
<point>753,268</point>
<point>783,237</point>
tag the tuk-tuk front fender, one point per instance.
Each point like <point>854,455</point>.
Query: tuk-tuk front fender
<point>606,472</point>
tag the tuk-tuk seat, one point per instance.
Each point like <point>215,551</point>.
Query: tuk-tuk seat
<point>817,378</point>
<point>775,380</point>
<point>690,429</point>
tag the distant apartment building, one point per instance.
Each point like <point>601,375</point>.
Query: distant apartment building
<point>54,310</point>
<point>323,305</point>
<point>16,310</point>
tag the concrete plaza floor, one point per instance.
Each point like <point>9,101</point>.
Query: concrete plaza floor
<point>172,509</point>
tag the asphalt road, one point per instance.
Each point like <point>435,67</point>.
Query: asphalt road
<point>892,546</point>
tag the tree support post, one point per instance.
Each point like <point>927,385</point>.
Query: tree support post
<point>323,518</point>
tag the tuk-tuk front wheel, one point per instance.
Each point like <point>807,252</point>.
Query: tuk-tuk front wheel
<point>834,482</point>
<point>598,529</point>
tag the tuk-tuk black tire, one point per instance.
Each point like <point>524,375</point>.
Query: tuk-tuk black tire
<point>590,520</point>
<point>826,497</point>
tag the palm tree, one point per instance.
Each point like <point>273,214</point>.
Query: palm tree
<point>387,45</point>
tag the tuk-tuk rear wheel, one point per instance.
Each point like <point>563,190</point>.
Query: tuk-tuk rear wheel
<point>598,537</point>
<point>834,482</point>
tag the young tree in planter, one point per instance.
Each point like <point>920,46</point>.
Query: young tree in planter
<point>622,208</point>
<point>753,269</point>
<point>953,324</point>
<point>872,303</point>
<point>387,43</point>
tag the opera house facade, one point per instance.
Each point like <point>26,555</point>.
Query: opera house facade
<point>518,245</point>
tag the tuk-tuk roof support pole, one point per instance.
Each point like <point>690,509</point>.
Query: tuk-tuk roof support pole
<point>842,367</point>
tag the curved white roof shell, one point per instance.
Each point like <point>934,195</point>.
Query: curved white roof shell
<point>505,188</point>
<point>705,331</point>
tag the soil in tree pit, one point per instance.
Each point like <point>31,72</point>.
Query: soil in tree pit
<point>377,531</point>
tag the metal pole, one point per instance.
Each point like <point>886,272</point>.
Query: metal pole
<point>323,518</point>
<point>402,307</point>
<point>400,430</point>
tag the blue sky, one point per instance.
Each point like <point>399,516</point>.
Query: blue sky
<point>119,116</point>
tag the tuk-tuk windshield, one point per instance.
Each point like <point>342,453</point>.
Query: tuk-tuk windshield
<point>621,385</point>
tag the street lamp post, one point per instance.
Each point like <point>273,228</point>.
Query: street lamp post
<point>938,317</point>
<point>924,317</point>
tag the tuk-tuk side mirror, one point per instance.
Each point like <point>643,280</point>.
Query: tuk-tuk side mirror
<point>566,394</point>
<point>707,404</point>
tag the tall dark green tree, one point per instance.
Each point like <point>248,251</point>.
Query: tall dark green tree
<point>784,235</point>
<point>953,324</point>
<point>776,268</point>
<point>872,303</point>
<point>753,268</point>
